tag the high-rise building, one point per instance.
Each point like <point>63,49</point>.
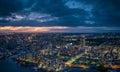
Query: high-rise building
<point>50,47</point>
<point>82,41</point>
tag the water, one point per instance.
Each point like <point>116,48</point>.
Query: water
<point>11,66</point>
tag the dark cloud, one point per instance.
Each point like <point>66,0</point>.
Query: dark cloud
<point>7,6</point>
<point>60,13</point>
<point>107,12</point>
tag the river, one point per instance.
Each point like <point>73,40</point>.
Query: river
<point>8,65</point>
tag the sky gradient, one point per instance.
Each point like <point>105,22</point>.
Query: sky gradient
<point>60,16</point>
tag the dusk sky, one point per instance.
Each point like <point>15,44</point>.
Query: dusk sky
<point>59,15</point>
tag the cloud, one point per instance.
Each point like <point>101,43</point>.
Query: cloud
<point>89,22</point>
<point>40,17</point>
<point>107,12</point>
<point>71,13</point>
<point>79,5</point>
<point>22,29</point>
<point>63,29</point>
<point>33,16</point>
<point>7,6</point>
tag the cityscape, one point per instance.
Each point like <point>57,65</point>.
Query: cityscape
<point>61,52</point>
<point>59,35</point>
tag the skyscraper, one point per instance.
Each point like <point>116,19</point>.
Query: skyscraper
<point>82,41</point>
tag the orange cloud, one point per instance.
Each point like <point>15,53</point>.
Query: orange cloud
<point>54,29</point>
<point>28,29</point>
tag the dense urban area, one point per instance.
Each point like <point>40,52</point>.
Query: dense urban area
<point>58,52</point>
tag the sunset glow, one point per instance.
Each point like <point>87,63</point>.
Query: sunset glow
<point>56,29</point>
<point>29,29</point>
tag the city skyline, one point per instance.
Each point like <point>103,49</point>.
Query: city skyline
<point>60,52</point>
<point>60,35</point>
<point>77,16</point>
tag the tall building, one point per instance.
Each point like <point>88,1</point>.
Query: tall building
<point>50,47</point>
<point>82,41</point>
